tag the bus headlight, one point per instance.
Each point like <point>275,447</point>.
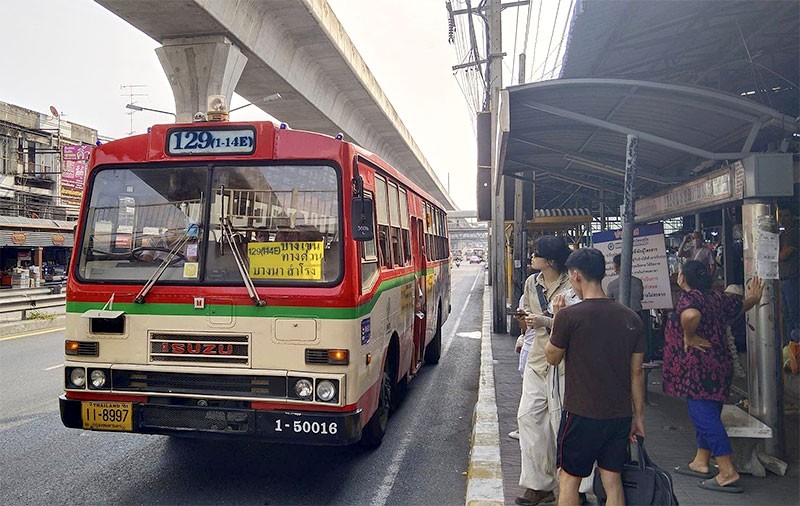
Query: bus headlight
<point>303,388</point>
<point>326,391</point>
<point>97,379</point>
<point>77,377</point>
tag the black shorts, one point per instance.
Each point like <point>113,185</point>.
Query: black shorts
<point>582,441</point>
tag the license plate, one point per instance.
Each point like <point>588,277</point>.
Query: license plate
<point>107,415</point>
<point>293,426</point>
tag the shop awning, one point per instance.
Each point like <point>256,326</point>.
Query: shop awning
<point>22,223</point>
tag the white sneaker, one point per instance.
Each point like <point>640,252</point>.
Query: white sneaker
<point>514,434</point>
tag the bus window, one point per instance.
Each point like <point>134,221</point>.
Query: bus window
<point>281,217</point>
<point>382,217</point>
<point>369,261</point>
<point>404,225</point>
<point>135,217</point>
<point>394,217</point>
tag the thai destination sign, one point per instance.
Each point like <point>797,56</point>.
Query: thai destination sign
<point>649,262</point>
<point>73,173</point>
<point>286,260</point>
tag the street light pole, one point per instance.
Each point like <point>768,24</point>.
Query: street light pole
<point>135,107</point>
<point>268,98</point>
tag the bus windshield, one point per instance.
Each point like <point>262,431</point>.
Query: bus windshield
<point>284,220</point>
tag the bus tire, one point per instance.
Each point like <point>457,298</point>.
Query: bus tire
<point>434,349</point>
<point>373,432</point>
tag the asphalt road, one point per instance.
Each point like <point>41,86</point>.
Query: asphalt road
<point>423,459</point>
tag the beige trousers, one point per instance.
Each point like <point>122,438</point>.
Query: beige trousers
<point>539,417</point>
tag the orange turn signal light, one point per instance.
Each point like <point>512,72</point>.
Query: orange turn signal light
<point>70,347</point>
<point>338,357</point>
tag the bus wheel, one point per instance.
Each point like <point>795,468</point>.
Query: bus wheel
<point>373,432</point>
<point>434,349</point>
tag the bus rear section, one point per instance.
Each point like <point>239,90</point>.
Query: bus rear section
<point>218,292</point>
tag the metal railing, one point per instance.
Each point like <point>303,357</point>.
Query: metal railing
<point>24,300</point>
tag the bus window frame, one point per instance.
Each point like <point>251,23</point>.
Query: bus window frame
<point>208,230</point>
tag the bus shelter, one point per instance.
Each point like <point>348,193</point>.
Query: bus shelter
<point>612,140</point>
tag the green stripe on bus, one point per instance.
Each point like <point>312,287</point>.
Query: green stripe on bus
<point>348,313</point>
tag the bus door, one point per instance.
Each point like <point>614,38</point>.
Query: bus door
<point>420,300</point>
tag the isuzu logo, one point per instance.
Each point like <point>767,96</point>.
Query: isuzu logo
<point>196,349</point>
<point>206,349</point>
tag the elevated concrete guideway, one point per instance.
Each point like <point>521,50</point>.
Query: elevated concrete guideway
<point>296,48</point>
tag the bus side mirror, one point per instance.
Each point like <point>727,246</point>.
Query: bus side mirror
<point>361,216</point>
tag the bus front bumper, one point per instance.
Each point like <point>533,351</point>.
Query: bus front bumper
<point>303,427</point>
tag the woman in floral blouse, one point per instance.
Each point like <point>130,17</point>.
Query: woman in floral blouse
<point>698,367</point>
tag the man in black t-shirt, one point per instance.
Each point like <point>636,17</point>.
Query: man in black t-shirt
<point>603,345</point>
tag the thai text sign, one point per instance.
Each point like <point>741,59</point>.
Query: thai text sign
<point>285,260</point>
<point>649,262</point>
<point>726,185</point>
<point>73,173</point>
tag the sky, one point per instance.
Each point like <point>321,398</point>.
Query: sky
<point>87,63</point>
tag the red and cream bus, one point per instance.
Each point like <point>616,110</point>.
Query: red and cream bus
<point>245,279</point>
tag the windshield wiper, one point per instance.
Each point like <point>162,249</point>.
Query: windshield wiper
<point>227,234</point>
<point>173,253</point>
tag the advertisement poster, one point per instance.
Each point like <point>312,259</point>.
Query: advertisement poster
<point>649,262</point>
<point>73,173</point>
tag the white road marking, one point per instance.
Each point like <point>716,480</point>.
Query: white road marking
<point>53,367</point>
<point>383,492</point>
<point>464,308</point>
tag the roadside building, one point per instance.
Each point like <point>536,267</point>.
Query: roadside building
<point>42,170</point>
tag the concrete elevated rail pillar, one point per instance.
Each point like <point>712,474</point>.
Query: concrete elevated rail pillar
<point>198,67</point>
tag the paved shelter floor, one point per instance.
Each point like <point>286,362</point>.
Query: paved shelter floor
<point>670,441</point>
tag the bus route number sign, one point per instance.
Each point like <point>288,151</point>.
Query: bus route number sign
<point>205,141</point>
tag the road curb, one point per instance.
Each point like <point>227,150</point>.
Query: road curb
<point>485,475</point>
<point>24,326</point>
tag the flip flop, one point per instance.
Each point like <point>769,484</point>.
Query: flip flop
<point>687,471</point>
<point>712,484</point>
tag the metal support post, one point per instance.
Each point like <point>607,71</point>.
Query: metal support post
<point>763,347</point>
<point>518,272</point>
<point>627,220</point>
<point>602,210</point>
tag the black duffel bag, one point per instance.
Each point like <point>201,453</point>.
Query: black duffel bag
<point>643,482</point>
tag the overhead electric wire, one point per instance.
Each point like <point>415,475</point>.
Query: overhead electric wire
<point>560,47</point>
<point>552,32</point>
<point>525,41</point>
<point>535,39</point>
<point>514,51</point>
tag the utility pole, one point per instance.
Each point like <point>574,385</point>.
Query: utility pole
<point>490,11</point>
<point>497,253</point>
<point>130,93</point>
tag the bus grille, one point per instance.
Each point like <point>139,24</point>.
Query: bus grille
<point>266,387</point>
<point>200,349</point>
<point>201,419</point>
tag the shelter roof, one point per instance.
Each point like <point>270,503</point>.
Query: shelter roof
<point>574,131</point>
<point>745,47</point>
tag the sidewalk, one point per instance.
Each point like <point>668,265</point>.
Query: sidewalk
<point>670,439</point>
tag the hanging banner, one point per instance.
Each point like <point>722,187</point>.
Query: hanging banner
<point>73,172</point>
<point>649,262</point>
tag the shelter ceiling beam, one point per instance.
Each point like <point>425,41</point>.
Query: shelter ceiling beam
<point>679,146</point>
<point>566,179</point>
<point>583,159</point>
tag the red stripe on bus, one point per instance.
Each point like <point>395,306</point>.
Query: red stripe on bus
<point>99,396</point>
